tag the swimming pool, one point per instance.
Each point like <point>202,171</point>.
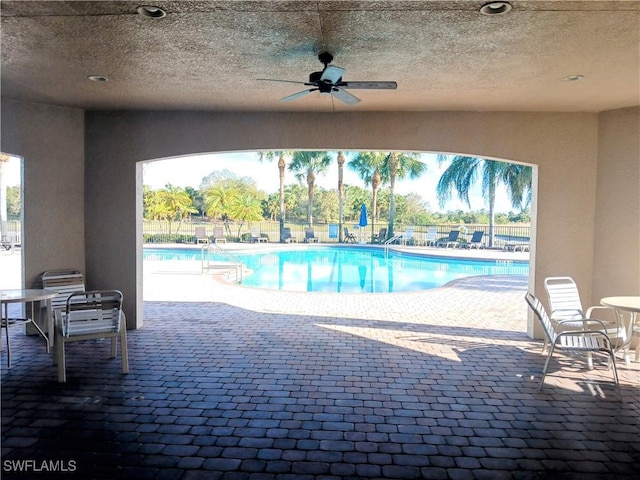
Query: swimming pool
<point>348,269</point>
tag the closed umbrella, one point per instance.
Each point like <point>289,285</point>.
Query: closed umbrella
<point>363,219</point>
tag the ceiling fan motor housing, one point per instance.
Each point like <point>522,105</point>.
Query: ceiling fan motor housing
<point>325,86</point>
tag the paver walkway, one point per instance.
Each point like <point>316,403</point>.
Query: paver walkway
<point>255,384</point>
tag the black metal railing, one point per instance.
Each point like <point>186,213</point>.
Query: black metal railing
<point>155,232</point>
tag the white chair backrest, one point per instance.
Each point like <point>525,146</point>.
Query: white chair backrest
<point>408,233</point>
<point>64,282</point>
<point>432,233</point>
<point>89,313</point>
<point>201,232</point>
<point>564,298</point>
<point>255,233</point>
<point>218,232</point>
<point>541,314</point>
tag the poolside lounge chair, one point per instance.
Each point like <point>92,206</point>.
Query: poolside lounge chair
<point>574,341</point>
<point>431,237</point>
<point>201,235</point>
<point>218,235</point>
<point>256,236</point>
<point>309,236</point>
<point>349,237</point>
<point>89,316</point>
<point>287,237</point>
<point>476,240</point>
<point>380,237</point>
<point>451,240</point>
<point>567,312</point>
<point>407,237</point>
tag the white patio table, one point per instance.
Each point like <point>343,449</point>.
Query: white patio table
<point>631,305</point>
<point>30,296</point>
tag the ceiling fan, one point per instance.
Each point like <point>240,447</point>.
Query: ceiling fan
<point>329,81</point>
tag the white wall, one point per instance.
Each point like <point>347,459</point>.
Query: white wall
<point>616,257</point>
<point>51,141</point>
<point>576,196</point>
<point>561,144</point>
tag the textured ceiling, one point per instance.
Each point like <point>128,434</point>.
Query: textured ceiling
<point>208,55</point>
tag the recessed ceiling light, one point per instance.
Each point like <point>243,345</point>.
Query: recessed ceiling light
<point>97,78</point>
<point>495,8</point>
<point>151,11</point>
<point>573,78</point>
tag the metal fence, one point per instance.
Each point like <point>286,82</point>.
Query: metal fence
<point>10,234</point>
<point>184,233</point>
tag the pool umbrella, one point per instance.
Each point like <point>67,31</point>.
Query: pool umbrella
<point>363,219</point>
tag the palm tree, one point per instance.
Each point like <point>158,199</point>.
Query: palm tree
<point>307,165</point>
<point>463,172</point>
<point>271,155</point>
<point>170,203</point>
<point>370,166</point>
<point>341,160</point>
<point>400,165</point>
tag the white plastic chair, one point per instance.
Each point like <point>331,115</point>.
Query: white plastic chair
<point>565,306</point>
<point>201,235</point>
<point>218,235</point>
<point>88,316</point>
<point>587,341</point>
<point>431,237</point>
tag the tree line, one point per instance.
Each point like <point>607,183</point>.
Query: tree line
<point>236,201</point>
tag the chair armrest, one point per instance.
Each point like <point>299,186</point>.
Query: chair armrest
<point>588,320</point>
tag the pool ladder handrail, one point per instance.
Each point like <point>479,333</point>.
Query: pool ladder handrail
<point>226,254</point>
<point>397,236</point>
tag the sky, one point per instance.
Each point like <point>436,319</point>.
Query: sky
<point>189,171</point>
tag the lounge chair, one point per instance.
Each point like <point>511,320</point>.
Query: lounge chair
<point>256,236</point>
<point>573,341</point>
<point>407,237</point>
<point>451,240</point>
<point>201,235</point>
<point>309,236</point>
<point>287,237</point>
<point>349,237</point>
<point>218,235</point>
<point>380,237</point>
<point>567,312</point>
<point>90,316</point>
<point>431,237</point>
<point>476,240</point>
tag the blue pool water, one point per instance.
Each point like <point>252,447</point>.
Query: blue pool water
<point>349,269</point>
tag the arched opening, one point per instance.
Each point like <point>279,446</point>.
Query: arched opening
<point>258,173</point>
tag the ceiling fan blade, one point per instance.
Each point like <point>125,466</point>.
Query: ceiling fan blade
<point>370,85</point>
<point>276,80</point>
<point>345,96</point>
<point>298,95</point>
<point>332,74</point>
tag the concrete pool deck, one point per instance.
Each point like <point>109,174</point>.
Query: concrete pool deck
<point>228,382</point>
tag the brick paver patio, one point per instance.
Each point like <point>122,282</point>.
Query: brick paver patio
<point>254,384</point>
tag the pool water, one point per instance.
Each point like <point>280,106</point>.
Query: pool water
<point>349,269</point>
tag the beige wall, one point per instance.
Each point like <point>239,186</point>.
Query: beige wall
<point>564,145</point>
<point>51,141</point>
<point>616,260</point>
